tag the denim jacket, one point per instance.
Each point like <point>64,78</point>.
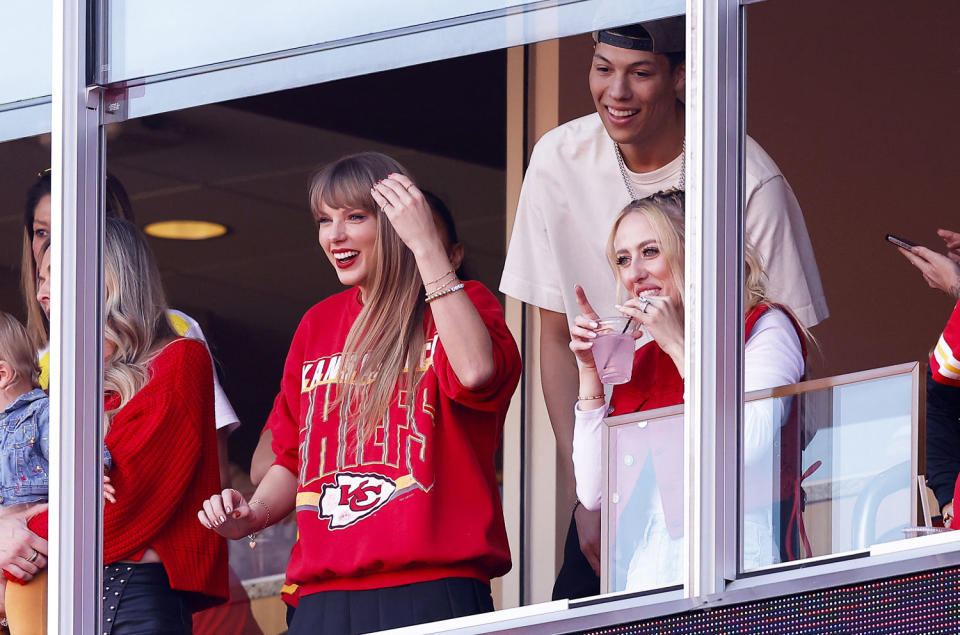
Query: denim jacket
<point>25,449</point>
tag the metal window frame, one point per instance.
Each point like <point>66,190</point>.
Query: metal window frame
<point>714,159</point>
<point>76,332</point>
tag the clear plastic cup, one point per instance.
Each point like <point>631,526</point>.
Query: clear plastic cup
<point>613,349</point>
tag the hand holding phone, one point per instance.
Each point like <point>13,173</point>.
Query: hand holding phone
<point>940,271</point>
<point>900,242</point>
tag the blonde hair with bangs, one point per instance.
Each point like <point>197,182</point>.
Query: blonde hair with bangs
<point>135,310</point>
<point>387,337</point>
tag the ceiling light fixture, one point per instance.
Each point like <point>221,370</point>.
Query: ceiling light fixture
<point>185,230</point>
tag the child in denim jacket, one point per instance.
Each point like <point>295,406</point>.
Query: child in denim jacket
<point>25,425</point>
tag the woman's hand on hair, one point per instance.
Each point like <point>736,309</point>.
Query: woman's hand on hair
<point>584,330</point>
<point>662,317</point>
<point>408,212</point>
<point>229,514</point>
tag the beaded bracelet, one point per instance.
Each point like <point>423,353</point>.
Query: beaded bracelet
<point>253,537</point>
<point>439,294</point>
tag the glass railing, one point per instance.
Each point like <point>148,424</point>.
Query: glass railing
<point>642,543</point>
<point>827,467</point>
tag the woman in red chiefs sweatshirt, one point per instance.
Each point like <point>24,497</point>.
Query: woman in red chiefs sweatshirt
<point>389,415</point>
<point>160,565</point>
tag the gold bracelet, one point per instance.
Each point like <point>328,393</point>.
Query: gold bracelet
<point>438,279</point>
<point>253,537</point>
<point>600,396</point>
<point>451,281</point>
<point>433,296</point>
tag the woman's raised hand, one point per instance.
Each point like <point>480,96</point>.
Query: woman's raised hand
<point>228,514</point>
<point>584,330</point>
<point>662,317</point>
<point>408,211</point>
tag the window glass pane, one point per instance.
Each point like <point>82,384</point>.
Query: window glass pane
<point>824,157</point>
<point>24,416</point>
<point>25,37</point>
<point>25,69</point>
<point>146,39</point>
<point>837,476</point>
<point>247,164</point>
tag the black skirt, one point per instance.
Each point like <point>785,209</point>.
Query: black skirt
<point>355,612</point>
<point>137,598</point>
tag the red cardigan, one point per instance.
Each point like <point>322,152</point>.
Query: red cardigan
<point>165,464</point>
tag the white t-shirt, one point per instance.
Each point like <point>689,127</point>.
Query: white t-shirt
<point>573,191</point>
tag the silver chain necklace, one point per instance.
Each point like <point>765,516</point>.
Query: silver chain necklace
<point>626,178</point>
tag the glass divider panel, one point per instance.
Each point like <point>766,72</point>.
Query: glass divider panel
<point>836,474</point>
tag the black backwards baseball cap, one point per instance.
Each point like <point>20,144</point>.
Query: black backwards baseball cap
<point>657,36</point>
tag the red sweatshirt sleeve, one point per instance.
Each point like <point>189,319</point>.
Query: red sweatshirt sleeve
<point>155,441</point>
<point>506,358</point>
<point>944,366</point>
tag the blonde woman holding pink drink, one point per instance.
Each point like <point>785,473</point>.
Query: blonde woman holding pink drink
<point>646,252</point>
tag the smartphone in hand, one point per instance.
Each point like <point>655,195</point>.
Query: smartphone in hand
<point>900,242</point>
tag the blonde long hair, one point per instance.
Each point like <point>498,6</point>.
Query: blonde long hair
<point>135,310</point>
<point>387,337</point>
<point>665,213</point>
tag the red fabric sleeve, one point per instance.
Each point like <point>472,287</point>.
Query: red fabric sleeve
<point>284,419</point>
<point>944,365</point>
<point>506,358</point>
<point>155,441</point>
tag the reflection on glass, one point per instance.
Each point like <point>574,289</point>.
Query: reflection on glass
<point>644,541</point>
<point>837,476</point>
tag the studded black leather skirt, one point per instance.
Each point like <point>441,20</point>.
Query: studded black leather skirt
<point>137,598</point>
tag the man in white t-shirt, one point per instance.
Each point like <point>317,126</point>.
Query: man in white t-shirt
<point>580,176</point>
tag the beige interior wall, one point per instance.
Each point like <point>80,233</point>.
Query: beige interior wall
<point>506,590</point>
<point>548,501</point>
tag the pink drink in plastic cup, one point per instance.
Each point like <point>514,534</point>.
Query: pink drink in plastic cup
<point>613,350</point>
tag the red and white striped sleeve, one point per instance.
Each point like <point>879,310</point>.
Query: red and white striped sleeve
<point>944,363</point>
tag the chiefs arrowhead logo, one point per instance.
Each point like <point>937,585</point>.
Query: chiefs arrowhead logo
<point>354,497</point>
